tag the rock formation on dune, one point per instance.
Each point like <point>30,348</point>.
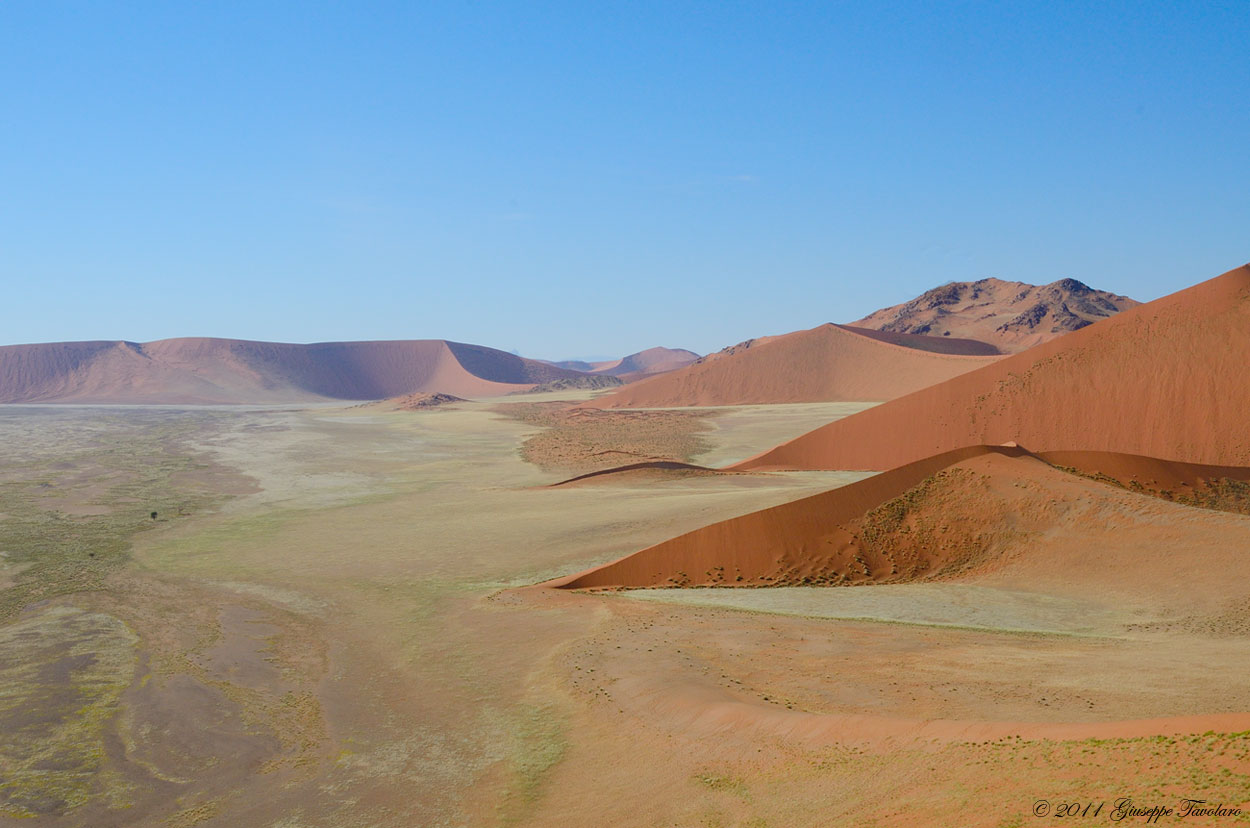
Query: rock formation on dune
<point>573,364</point>
<point>965,511</point>
<point>1165,379</point>
<point>827,363</point>
<point>1014,316</point>
<point>181,371</point>
<point>585,382</point>
<point>420,401</point>
<point>637,366</point>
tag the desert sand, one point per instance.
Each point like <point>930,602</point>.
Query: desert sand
<point>313,628</point>
<point>830,363</point>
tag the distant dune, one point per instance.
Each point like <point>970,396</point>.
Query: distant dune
<point>960,512</point>
<point>201,371</point>
<point>1013,316</point>
<point>825,364</point>
<point>637,366</point>
<point>1165,379</point>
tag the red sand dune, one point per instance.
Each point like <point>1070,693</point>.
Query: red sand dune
<point>825,364</point>
<point>959,511</point>
<point>1165,379</point>
<point>1012,315</point>
<point>183,371</point>
<point>749,544</point>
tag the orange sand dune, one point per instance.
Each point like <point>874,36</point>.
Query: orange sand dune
<point>1165,379</point>
<point>183,371</point>
<point>962,511</point>
<point>828,363</point>
<point>751,544</point>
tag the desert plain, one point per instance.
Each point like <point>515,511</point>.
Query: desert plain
<point>334,620</point>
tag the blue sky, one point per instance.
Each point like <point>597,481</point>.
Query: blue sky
<point>582,178</point>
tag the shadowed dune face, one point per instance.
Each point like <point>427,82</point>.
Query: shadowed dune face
<point>935,344</point>
<point>830,363</point>
<point>1165,379</point>
<point>966,512</point>
<point>1011,315</point>
<point>238,371</point>
<point>500,366</point>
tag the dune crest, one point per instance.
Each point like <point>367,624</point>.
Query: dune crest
<point>829,363</point>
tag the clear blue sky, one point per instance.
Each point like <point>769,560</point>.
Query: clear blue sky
<point>587,178</point>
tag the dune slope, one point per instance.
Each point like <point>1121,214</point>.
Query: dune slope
<point>828,363</point>
<point>1165,379</point>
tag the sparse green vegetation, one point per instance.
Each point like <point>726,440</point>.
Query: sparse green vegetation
<point>726,783</point>
<point>67,519</point>
<point>1222,494</point>
<point>577,439</point>
<point>51,551</point>
<point>63,673</point>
